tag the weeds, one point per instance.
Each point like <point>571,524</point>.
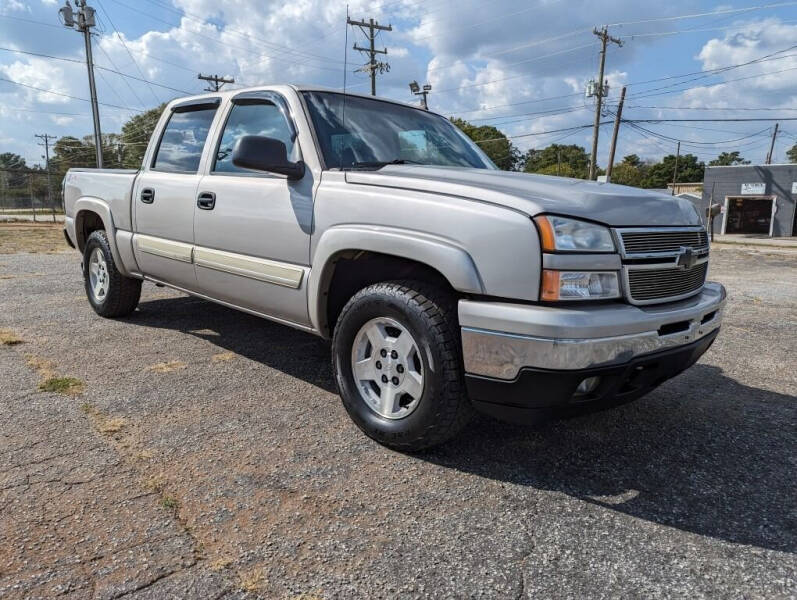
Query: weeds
<point>62,385</point>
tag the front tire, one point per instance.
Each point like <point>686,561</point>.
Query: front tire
<point>110,293</point>
<point>396,359</point>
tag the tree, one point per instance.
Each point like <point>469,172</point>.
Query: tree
<point>792,153</point>
<point>727,159</point>
<point>630,171</point>
<point>135,136</point>
<point>10,162</point>
<point>499,147</point>
<point>658,175</point>
<point>557,159</point>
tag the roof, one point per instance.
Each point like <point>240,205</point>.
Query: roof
<point>298,88</point>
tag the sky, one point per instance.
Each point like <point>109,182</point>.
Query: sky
<point>521,66</point>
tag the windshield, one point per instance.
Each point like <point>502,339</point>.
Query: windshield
<point>376,133</point>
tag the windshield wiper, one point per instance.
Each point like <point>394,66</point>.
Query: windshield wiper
<point>378,164</point>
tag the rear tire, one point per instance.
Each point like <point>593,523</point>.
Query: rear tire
<point>408,392</point>
<point>110,293</point>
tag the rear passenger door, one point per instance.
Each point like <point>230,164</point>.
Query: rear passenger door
<point>252,229</point>
<point>164,196</point>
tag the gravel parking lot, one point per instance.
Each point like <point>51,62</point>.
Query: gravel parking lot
<point>197,452</point>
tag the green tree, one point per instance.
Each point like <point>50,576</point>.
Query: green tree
<point>630,171</point>
<point>792,153</point>
<point>727,159</point>
<point>135,136</point>
<point>658,175</point>
<point>10,162</point>
<point>493,143</point>
<point>567,161</point>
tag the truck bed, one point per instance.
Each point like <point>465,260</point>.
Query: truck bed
<point>113,186</point>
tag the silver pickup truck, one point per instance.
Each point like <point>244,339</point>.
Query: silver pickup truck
<point>443,283</point>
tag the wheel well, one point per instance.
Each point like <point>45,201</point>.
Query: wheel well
<point>87,223</point>
<point>355,269</point>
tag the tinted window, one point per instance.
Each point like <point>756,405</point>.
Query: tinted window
<point>364,133</point>
<point>251,118</point>
<point>183,140</point>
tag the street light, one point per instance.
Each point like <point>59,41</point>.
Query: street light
<point>416,90</point>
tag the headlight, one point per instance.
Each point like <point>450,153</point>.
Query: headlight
<point>579,285</point>
<point>571,235</point>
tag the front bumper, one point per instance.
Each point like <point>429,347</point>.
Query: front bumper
<point>503,344</point>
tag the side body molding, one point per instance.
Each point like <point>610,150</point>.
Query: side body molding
<point>87,204</point>
<point>452,261</point>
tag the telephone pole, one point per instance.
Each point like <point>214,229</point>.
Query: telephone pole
<point>46,143</point>
<point>215,81</point>
<point>83,20</point>
<point>675,172</point>
<point>599,89</point>
<point>772,145</point>
<point>373,65</point>
<point>614,136</point>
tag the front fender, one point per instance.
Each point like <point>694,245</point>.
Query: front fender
<point>87,204</point>
<point>452,261</point>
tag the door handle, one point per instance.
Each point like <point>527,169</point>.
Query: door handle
<point>148,195</point>
<point>206,200</point>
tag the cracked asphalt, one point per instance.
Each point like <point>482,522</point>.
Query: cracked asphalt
<point>207,456</point>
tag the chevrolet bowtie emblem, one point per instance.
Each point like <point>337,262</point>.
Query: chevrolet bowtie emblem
<point>686,258</point>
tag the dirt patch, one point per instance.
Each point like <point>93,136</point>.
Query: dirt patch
<point>46,238</point>
<point>222,357</point>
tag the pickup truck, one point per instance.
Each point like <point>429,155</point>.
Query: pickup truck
<point>444,283</point>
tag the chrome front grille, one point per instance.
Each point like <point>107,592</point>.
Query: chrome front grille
<point>663,264</point>
<point>645,285</point>
<point>650,242</point>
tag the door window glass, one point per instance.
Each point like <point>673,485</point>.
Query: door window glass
<point>183,139</point>
<point>251,118</point>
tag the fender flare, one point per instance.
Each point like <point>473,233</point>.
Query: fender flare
<point>86,204</point>
<point>451,260</point>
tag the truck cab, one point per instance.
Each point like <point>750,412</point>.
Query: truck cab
<point>443,283</point>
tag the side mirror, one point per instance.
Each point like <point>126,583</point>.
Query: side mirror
<point>265,154</point>
<point>713,210</point>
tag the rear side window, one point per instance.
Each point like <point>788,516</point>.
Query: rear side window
<point>183,139</point>
<point>251,118</point>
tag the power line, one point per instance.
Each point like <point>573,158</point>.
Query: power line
<point>373,65</point>
<point>705,14</point>
<point>38,89</point>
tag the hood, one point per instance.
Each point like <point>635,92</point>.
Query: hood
<point>613,205</point>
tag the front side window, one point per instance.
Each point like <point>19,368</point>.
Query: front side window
<point>258,117</point>
<point>180,148</point>
<point>364,133</point>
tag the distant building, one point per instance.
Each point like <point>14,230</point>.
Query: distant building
<point>755,199</point>
<point>685,188</point>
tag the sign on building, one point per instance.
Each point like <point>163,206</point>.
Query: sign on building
<point>794,187</point>
<point>754,188</point>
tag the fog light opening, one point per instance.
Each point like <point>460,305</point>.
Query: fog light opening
<point>587,386</point>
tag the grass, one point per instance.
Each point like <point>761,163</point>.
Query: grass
<point>168,367</point>
<point>114,425</point>
<point>170,503</point>
<point>9,338</point>
<point>222,357</point>
<point>220,564</point>
<point>39,238</point>
<point>251,581</point>
<point>62,385</point>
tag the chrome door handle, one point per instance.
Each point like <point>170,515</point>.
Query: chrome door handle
<point>206,200</point>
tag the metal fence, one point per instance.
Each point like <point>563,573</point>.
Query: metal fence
<point>29,195</point>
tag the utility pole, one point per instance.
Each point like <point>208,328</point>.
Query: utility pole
<point>85,21</point>
<point>772,145</point>
<point>675,172</point>
<point>422,92</point>
<point>614,136</point>
<point>373,65</point>
<point>600,90</point>
<point>46,139</point>
<point>215,81</point>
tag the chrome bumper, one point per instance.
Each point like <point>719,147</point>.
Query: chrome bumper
<point>499,339</point>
